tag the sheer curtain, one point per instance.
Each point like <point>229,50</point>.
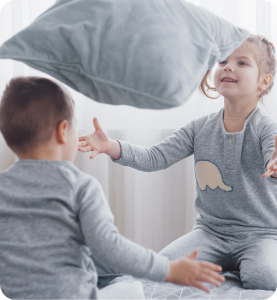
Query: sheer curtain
<point>152,209</point>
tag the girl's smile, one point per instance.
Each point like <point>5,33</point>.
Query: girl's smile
<point>228,79</point>
<point>237,77</point>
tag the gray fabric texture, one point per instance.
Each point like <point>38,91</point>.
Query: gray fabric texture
<point>53,218</point>
<point>255,259</point>
<point>233,200</point>
<point>105,273</point>
<point>144,53</point>
<point>122,290</point>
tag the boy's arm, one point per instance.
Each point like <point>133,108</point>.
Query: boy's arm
<point>119,253</point>
<point>105,242</point>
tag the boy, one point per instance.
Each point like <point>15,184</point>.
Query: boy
<point>54,217</point>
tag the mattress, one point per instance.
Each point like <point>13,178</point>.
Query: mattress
<point>231,289</point>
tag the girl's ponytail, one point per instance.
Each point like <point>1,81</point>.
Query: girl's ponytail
<point>205,86</point>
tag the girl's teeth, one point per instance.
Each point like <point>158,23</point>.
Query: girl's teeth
<point>229,80</point>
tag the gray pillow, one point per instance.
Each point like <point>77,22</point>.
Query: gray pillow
<point>144,53</point>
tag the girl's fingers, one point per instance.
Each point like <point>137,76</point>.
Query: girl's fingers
<point>275,168</point>
<point>82,138</point>
<point>82,144</point>
<point>272,162</point>
<point>268,173</point>
<point>93,154</point>
<point>96,124</point>
<point>201,287</point>
<point>84,149</point>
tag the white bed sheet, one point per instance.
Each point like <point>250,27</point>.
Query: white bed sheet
<point>231,289</point>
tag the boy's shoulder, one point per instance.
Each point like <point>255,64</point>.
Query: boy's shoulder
<point>87,189</point>
<point>41,180</point>
<point>57,174</point>
<point>75,177</point>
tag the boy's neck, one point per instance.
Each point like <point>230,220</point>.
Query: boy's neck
<point>43,152</point>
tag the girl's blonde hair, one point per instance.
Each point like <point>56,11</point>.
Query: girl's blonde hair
<point>266,61</point>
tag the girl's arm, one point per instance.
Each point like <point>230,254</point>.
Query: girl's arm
<point>268,141</point>
<point>271,169</point>
<point>160,156</point>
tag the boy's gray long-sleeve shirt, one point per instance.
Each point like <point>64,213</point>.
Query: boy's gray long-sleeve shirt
<point>233,199</point>
<point>52,218</point>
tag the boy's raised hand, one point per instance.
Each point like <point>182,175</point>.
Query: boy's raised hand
<point>187,271</point>
<point>271,168</point>
<point>97,142</point>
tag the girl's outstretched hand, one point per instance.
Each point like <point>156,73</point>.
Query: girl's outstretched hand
<point>187,271</point>
<point>97,142</point>
<point>271,169</point>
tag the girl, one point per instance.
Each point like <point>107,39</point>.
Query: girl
<point>233,149</point>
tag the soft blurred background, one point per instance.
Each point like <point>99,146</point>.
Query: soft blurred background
<point>152,209</point>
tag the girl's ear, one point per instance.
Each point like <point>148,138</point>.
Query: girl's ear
<point>266,81</point>
<point>61,132</point>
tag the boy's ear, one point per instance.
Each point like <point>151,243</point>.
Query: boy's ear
<point>61,132</point>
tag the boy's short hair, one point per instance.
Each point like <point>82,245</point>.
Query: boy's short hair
<point>31,109</point>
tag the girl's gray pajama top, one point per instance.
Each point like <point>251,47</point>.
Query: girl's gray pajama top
<point>234,201</point>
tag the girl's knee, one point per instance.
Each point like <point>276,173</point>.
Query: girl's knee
<point>260,281</point>
<point>267,286</point>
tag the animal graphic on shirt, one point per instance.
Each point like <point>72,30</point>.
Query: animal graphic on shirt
<point>208,174</point>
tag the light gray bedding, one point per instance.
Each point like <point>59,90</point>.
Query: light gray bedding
<point>231,289</point>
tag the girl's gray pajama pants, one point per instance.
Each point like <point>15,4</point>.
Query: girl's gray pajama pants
<point>255,258</point>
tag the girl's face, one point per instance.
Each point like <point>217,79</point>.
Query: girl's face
<point>237,77</point>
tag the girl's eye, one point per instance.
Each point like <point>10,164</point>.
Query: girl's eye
<point>244,64</point>
<point>222,62</point>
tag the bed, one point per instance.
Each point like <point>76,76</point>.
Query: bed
<point>230,289</point>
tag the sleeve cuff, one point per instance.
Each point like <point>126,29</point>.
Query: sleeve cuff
<point>162,269</point>
<point>125,158</point>
<point>166,268</point>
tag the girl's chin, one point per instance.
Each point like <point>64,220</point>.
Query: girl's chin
<point>230,96</point>
<point>228,92</point>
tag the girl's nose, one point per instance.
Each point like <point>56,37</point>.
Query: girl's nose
<point>229,68</point>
